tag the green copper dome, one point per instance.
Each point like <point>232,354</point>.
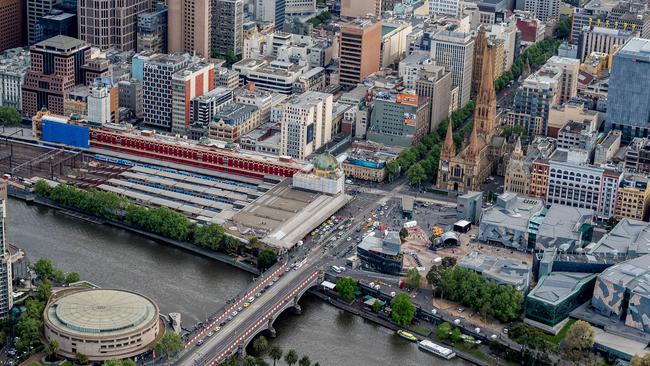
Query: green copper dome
<point>326,162</point>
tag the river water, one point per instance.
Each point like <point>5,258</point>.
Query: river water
<point>196,286</point>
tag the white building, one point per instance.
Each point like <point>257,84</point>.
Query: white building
<point>13,66</point>
<point>601,39</point>
<point>273,76</point>
<point>306,124</point>
<point>455,51</point>
<point>394,43</point>
<point>409,67</point>
<point>99,104</point>
<point>506,31</point>
<point>6,290</point>
<point>299,7</point>
<point>444,7</point>
<point>543,10</point>
<point>575,183</point>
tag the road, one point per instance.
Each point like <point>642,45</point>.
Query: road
<point>310,260</point>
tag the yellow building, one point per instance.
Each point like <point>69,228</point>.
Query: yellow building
<point>596,64</point>
<point>517,177</point>
<point>633,198</point>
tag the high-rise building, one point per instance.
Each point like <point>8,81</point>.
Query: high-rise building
<point>360,9</point>
<point>56,67</point>
<point>103,102</point>
<point>434,82</point>
<point>152,29</point>
<point>190,26</point>
<point>300,7</point>
<point>569,82</point>
<point>35,10</point>
<point>193,81</point>
<point>55,23</point>
<point>157,87</point>
<point>306,124</point>
<point>11,24</point>
<point>455,51</point>
<point>6,291</point>
<point>130,96</point>
<point>628,101</point>
<point>360,49</point>
<point>227,26</point>
<point>271,11</point>
<point>110,23</point>
<point>398,119</point>
<point>620,15</point>
<point>543,10</point>
<point>601,39</point>
<point>444,7</point>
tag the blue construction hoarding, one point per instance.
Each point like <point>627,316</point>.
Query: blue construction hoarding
<point>66,134</point>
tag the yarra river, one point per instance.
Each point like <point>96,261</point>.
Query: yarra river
<point>195,286</point>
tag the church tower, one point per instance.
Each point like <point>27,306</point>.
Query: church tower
<point>448,150</point>
<point>486,98</point>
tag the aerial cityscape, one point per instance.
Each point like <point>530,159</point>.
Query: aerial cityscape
<point>324,182</point>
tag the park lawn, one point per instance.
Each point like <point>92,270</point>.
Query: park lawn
<point>559,337</point>
<point>421,330</point>
<point>476,352</point>
<point>66,363</point>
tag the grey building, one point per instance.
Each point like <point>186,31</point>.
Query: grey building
<point>577,135</point>
<point>130,96</point>
<point>14,64</point>
<point>629,76</point>
<point>606,149</point>
<point>469,206</point>
<point>203,108</point>
<point>435,83</point>
<point>56,23</point>
<point>628,238</point>
<point>227,26</point>
<point>455,51</point>
<point>36,9</point>
<point>110,24</point>
<point>601,39</point>
<point>381,254</point>
<point>157,85</point>
<point>624,15</point>
<point>6,292</point>
<point>152,30</point>
<point>504,271</point>
<point>397,121</point>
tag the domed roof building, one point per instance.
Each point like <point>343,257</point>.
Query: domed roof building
<point>325,162</point>
<point>326,176</point>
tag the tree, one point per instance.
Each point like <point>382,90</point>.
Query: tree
<point>44,291</point>
<point>487,312</point>
<point>81,359</point>
<point>392,170</point>
<point>346,287</point>
<point>43,268</point>
<point>376,306</point>
<point>304,361</point>
<point>444,330</point>
<point>413,278</point>
<point>275,352</point>
<point>579,340</point>
<point>250,361</point>
<point>640,361</point>
<point>416,174</point>
<point>291,357</point>
<point>51,349</point>
<point>434,276</point>
<point>9,116</point>
<point>455,335</point>
<point>402,309</point>
<point>266,258</point>
<point>448,262</point>
<point>169,345</point>
<point>209,236</point>
<point>42,189</point>
<point>611,223</point>
<point>72,277</point>
<point>403,233</point>
<point>260,346</point>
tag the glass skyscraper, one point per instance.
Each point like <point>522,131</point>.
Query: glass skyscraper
<point>628,100</point>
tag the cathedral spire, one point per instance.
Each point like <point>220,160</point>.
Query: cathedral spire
<point>486,98</point>
<point>518,153</point>
<point>448,148</point>
<point>473,147</point>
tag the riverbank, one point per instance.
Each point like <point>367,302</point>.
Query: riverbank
<point>223,258</point>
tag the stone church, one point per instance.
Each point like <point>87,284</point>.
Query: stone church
<point>468,169</point>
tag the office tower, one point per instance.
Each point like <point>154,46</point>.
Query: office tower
<point>56,67</point>
<point>455,51</point>
<point>227,26</point>
<point>434,82</point>
<point>103,102</point>
<point>152,30</point>
<point>543,10</point>
<point>110,23</point>
<point>306,124</point>
<point>56,23</point>
<point>35,10</point>
<point>628,100</point>
<point>271,11</point>
<point>189,26</point>
<point>6,298</point>
<point>360,9</point>
<point>444,7</point>
<point>157,91</point>
<point>360,47</point>
<point>130,96</point>
<point>601,39</point>
<point>11,24</point>
<point>193,81</point>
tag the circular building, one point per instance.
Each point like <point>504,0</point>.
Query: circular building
<point>102,323</point>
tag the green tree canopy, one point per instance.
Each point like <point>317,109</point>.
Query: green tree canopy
<point>291,357</point>
<point>9,116</point>
<point>413,278</point>
<point>416,174</point>
<point>266,258</point>
<point>402,309</point>
<point>275,352</point>
<point>640,361</point>
<point>72,277</point>
<point>376,306</point>
<point>444,330</point>
<point>346,287</point>
<point>169,345</point>
<point>209,236</point>
<point>260,346</point>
